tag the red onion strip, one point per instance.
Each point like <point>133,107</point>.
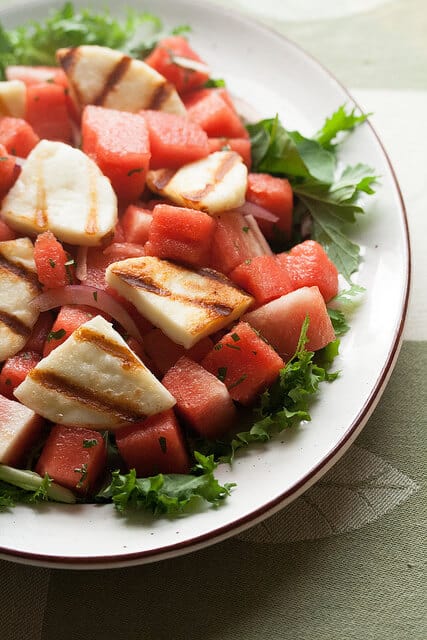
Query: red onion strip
<point>90,296</point>
<point>251,209</point>
<point>81,263</point>
<point>253,226</point>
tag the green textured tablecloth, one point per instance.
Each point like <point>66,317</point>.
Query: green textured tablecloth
<point>351,571</point>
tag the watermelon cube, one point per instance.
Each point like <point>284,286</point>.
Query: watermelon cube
<point>169,58</point>
<point>15,370</point>
<point>47,112</point>
<point>136,222</point>
<point>280,321</point>
<point>174,140</point>
<point>275,195</point>
<point>74,458</point>
<point>51,262</point>
<point>17,136</point>
<point>20,429</point>
<point>263,277</point>
<point>155,445</point>
<point>70,318</point>
<point>180,234</point>
<point>308,265</point>
<point>244,362</point>
<point>233,242</point>
<point>119,143</point>
<point>202,400</point>
<point>163,352</point>
<point>30,75</point>
<point>214,111</point>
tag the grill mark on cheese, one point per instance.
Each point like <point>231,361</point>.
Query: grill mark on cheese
<point>14,324</point>
<point>91,226</point>
<point>145,282</point>
<point>227,163</point>
<point>20,272</point>
<point>4,109</point>
<point>68,58</point>
<point>113,78</point>
<point>161,178</point>
<point>116,350</point>
<point>83,395</point>
<point>161,93</point>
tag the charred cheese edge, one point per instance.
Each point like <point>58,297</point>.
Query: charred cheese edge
<point>18,285</point>
<point>186,305</point>
<point>93,379</point>
<point>214,184</point>
<point>13,95</point>
<point>108,78</point>
<point>61,189</point>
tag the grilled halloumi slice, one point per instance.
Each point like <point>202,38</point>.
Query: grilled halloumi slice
<point>12,98</point>
<point>18,285</point>
<point>61,189</point>
<point>93,379</point>
<point>108,78</point>
<point>214,184</point>
<point>186,305</point>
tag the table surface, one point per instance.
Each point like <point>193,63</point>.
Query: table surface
<point>351,572</point>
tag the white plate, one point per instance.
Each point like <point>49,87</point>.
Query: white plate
<point>271,74</point>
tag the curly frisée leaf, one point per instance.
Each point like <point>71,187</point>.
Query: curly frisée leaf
<point>166,493</point>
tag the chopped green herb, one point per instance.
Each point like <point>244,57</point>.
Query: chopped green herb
<point>239,381</point>
<point>218,346</point>
<point>83,471</point>
<point>213,83</point>
<point>52,263</point>
<point>222,373</point>
<point>8,381</point>
<point>245,229</point>
<point>163,444</point>
<point>132,171</point>
<point>88,443</point>
<point>95,296</point>
<point>3,158</point>
<point>235,337</point>
<point>56,335</point>
<point>232,346</point>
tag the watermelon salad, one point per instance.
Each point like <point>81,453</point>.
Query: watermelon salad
<point>169,273</point>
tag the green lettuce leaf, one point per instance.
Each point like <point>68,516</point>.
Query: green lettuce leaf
<point>166,493</point>
<point>338,122</point>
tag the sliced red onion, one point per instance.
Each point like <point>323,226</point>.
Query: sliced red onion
<point>122,249</point>
<point>81,263</point>
<point>252,209</point>
<point>189,63</point>
<point>90,296</point>
<point>253,226</point>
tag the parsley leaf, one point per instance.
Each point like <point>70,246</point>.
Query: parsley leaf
<point>330,197</point>
<point>339,121</point>
<point>166,493</point>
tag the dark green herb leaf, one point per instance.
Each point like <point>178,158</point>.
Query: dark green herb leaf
<point>56,335</point>
<point>88,443</point>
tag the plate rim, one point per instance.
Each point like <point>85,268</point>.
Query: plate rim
<point>235,527</point>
